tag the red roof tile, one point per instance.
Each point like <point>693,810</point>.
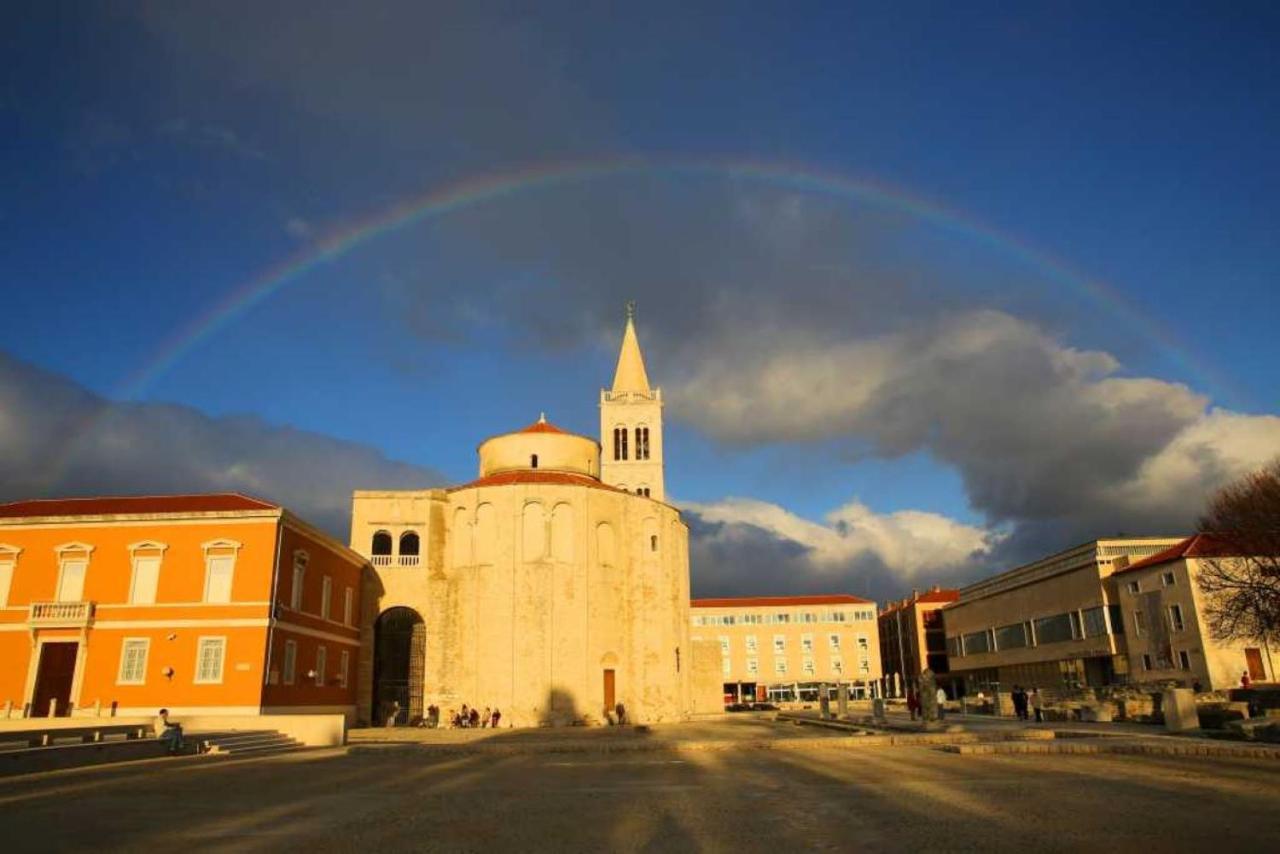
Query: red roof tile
<point>210,503</point>
<point>1198,545</point>
<point>517,476</point>
<point>773,601</point>
<point>928,597</point>
<point>541,427</point>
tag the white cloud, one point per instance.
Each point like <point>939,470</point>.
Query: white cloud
<point>908,543</point>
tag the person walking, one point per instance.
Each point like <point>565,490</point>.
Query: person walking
<point>497,716</point>
<point>942,702</point>
<point>484,719</point>
<point>1037,703</point>
<point>1019,703</point>
<point>913,703</point>
<point>475,718</point>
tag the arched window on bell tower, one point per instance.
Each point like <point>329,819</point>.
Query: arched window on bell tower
<point>619,443</point>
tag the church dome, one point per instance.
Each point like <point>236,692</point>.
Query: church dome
<point>542,446</point>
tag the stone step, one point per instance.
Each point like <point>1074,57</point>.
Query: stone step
<point>255,742</point>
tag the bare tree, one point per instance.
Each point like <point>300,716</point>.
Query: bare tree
<point>1241,575</point>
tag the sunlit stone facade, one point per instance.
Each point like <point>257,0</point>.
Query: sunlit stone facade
<point>539,588</point>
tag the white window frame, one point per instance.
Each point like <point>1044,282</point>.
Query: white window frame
<point>1168,579</point>
<point>725,646</point>
<point>780,665</point>
<point>1139,623</point>
<point>134,558</point>
<point>837,665</point>
<point>753,666</point>
<point>221,641</point>
<point>833,641</point>
<point>326,596</point>
<point>146,654</point>
<point>806,643</point>
<point>298,579</point>
<point>289,667</point>
<point>7,568</point>
<point>1180,623</point>
<point>779,644</point>
<point>322,664</point>
<point>344,666</point>
<point>1134,587</point>
<point>72,553</point>
<point>220,545</point>
<point>726,666</point>
<point>808,665</point>
<point>753,644</point>
<point>1184,659</point>
<point>348,605</point>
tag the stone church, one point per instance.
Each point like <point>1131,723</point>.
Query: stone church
<point>554,586</point>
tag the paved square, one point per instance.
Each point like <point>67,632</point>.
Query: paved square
<point>824,798</point>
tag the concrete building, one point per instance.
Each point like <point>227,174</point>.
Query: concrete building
<point>783,647</point>
<point>912,638</point>
<point>206,604</point>
<point>552,587</point>
<point>1051,624</point>
<point>1165,629</point>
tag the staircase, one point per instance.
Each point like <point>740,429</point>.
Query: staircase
<point>247,742</point>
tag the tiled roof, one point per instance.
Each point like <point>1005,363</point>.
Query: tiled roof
<point>775,601</point>
<point>541,426</point>
<point>520,476</point>
<point>1198,545</point>
<point>218,502</point>
<point>928,597</point>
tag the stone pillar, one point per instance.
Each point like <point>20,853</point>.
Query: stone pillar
<point>877,710</point>
<point>842,701</point>
<point>928,696</point>
<point>824,701</point>
<point>1179,706</point>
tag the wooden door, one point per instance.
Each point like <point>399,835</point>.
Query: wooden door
<point>56,671</point>
<point>610,699</point>
<point>1253,657</point>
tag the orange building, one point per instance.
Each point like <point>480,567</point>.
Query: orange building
<point>205,604</point>
<point>912,637</point>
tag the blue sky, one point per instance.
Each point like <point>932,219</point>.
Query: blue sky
<point>158,158</point>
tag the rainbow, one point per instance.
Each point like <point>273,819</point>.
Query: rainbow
<point>474,191</point>
<point>478,190</point>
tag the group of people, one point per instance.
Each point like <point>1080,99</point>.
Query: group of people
<point>464,718</point>
<point>916,708</point>
<point>1024,703</point>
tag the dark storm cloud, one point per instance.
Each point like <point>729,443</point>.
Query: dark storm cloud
<point>457,84</point>
<point>57,439</point>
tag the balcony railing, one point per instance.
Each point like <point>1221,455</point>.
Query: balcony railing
<point>381,560</point>
<point>60,613</point>
<point>409,560</point>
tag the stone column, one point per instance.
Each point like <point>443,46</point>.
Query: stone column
<point>928,696</point>
<point>842,701</point>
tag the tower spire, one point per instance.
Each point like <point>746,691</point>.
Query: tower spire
<point>630,374</point>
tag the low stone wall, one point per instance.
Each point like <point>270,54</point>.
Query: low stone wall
<point>38,759</point>
<point>311,730</point>
<point>326,730</point>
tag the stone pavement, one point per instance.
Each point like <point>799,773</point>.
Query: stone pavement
<point>879,798</point>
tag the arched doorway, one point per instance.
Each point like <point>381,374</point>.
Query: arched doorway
<point>399,653</point>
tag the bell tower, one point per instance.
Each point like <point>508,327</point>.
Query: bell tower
<point>631,423</point>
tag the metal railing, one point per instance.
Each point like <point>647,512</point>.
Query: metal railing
<point>409,560</point>
<point>381,560</point>
<point>60,613</point>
